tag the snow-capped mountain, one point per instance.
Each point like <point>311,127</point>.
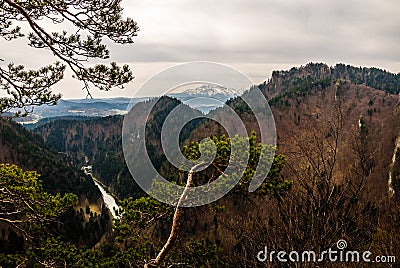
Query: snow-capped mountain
<point>206,97</point>
<point>211,90</point>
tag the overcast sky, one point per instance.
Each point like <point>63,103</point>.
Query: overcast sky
<point>254,36</point>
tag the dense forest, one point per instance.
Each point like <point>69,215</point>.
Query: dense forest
<point>337,149</point>
<point>310,177</point>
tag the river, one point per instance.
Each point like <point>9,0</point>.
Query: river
<point>108,200</point>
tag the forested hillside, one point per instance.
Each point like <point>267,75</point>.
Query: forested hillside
<point>299,97</point>
<point>59,175</point>
<point>98,142</point>
<point>29,151</point>
<point>330,180</point>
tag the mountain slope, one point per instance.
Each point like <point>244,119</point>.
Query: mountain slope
<point>59,174</point>
<point>301,98</point>
<point>306,99</point>
<point>27,150</point>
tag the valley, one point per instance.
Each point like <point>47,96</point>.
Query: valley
<point>337,158</point>
<point>210,134</point>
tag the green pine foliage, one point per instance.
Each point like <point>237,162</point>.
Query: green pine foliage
<point>274,184</point>
<point>28,151</point>
<point>82,27</point>
<point>26,206</point>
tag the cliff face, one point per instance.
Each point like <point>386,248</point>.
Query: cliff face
<point>394,172</point>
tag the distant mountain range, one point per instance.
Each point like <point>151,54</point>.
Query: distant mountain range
<point>203,98</point>
<point>209,90</point>
<point>78,108</point>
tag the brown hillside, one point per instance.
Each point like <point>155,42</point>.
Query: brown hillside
<point>297,117</point>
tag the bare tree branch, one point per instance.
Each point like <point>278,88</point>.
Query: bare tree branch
<point>175,221</point>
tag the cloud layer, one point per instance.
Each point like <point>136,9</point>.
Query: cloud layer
<point>255,36</point>
<point>258,31</point>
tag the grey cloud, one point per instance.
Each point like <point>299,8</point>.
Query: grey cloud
<point>258,30</point>
<point>360,32</point>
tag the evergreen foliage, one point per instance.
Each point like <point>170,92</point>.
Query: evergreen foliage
<point>83,26</point>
